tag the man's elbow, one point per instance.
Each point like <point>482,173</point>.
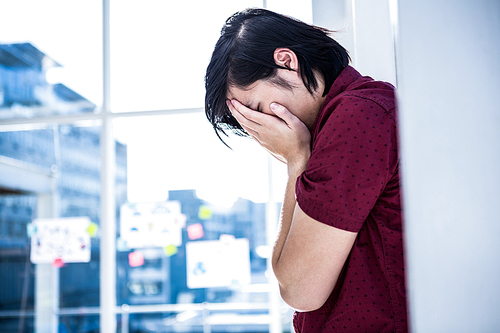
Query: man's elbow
<point>301,301</point>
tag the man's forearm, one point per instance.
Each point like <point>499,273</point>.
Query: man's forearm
<point>308,256</point>
<point>286,217</point>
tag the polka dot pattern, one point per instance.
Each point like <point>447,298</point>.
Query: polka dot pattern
<point>352,183</point>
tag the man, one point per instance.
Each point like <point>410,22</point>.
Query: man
<point>338,256</point>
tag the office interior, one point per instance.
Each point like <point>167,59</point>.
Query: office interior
<point>118,203</point>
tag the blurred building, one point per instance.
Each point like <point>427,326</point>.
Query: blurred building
<point>24,90</point>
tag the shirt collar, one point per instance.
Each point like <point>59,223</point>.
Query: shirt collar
<point>346,77</point>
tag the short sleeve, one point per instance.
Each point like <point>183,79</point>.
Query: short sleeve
<point>354,154</point>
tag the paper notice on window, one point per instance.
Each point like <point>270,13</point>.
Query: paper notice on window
<point>152,224</point>
<point>63,240</point>
<point>219,263</point>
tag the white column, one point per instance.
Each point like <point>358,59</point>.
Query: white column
<point>46,277</point>
<point>300,9</point>
<point>373,52</point>
<point>449,81</point>
<point>336,15</point>
<point>108,201</point>
<point>362,27</point>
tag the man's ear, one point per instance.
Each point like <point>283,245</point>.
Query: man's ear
<point>286,58</point>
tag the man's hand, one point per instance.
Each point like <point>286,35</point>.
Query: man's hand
<point>282,134</point>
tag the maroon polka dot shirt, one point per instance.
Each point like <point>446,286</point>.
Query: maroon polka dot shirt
<point>352,183</point>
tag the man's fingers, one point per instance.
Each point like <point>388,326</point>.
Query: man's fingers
<point>252,115</point>
<point>248,125</point>
<point>281,112</point>
<point>263,125</point>
<point>237,112</point>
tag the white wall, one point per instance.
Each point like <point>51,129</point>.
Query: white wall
<point>363,27</point>
<point>449,81</point>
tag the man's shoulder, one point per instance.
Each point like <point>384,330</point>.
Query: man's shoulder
<point>380,93</point>
<point>368,99</point>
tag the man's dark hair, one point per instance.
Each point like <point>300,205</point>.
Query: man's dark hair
<point>244,54</point>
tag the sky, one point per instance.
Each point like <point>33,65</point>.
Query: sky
<point>159,53</point>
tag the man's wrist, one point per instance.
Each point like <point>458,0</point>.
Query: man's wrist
<point>297,166</point>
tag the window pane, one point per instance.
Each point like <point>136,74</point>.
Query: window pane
<point>181,152</point>
<point>194,227</point>
<point>50,57</point>
<point>69,156</point>
<point>79,191</point>
<point>160,51</point>
<point>16,270</point>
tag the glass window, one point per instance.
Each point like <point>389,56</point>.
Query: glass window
<point>160,51</point>
<point>192,215</point>
<point>69,157</point>
<point>22,161</point>
<point>193,230</point>
<point>16,270</point>
<point>50,57</point>
<point>179,152</point>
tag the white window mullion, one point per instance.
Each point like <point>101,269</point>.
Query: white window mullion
<point>108,209</point>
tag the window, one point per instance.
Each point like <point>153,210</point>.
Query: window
<point>128,151</point>
<point>51,55</point>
